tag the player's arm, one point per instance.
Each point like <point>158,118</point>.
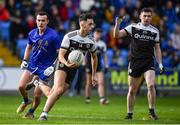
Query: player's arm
<point>61,58</point>
<point>62,51</point>
<point>158,53</point>
<point>159,56</point>
<point>94,63</point>
<point>106,66</point>
<point>116,32</point>
<point>105,59</point>
<point>27,51</point>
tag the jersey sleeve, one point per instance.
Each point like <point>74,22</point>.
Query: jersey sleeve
<point>29,39</point>
<point>93,48</point>
<point>65,42</point>
<point>104,47</point>
<point>128,29</point>
<point>157,39</point>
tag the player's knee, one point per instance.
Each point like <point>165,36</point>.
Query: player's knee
<point>60,91</point>
<point>100,84</point>
<point>132,91</point>
<point>150,86</point>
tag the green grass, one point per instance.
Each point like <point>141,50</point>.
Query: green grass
<point>73,110</point>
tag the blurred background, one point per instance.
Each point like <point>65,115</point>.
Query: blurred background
<point>17,19</point>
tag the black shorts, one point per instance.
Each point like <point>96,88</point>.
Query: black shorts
<point>138,66</point>
<point>88,68</point>
<point>71,72</point>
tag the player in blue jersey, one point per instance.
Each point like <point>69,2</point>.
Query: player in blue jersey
<point>65,71</point>
<point>145,46</point>
<point>39,57</point>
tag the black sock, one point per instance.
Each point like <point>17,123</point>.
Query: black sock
<point>25,100</point>
<point>130,114</point>
<point>151,110</point>
<point>31,110</point>
<point>88,97</point>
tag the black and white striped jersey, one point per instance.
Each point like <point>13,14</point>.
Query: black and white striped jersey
<point>101,46</point>
<point>73,41</point>
<point>143,39</point>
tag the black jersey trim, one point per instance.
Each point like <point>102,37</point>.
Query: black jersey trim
<point>127,32</point>
<point>63,47</point>
<point>157,42</point>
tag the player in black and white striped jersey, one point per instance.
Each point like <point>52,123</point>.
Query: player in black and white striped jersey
<point>101,54</point>
<point>65,71</point>
<point>144,47</point>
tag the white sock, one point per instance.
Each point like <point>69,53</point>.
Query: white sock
<point>102,99</point>
<point>44,114</point>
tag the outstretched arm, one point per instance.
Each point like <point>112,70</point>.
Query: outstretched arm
<point>116,32</point>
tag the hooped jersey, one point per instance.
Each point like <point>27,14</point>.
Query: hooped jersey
<point>143,40</point>
<point>73,41</point>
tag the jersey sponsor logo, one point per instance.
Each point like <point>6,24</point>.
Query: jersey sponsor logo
<point>143,36</point>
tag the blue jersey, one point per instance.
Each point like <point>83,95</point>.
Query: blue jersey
<point>44,51</point>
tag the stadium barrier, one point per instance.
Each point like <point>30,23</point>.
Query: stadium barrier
<point>116,80</point>
<point>166,82</point>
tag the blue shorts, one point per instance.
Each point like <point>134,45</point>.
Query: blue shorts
<point>39,71</point>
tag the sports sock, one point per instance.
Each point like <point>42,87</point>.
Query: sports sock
<point>88,97</point>
<point>151,110</point>
<point>130,114</point>
<point>31,110</point>
<point>101,98</point>
<point>25,100</point>
<point>44,114</point>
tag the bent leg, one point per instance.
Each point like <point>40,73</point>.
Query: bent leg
<point>58,89</point>
<point>25,78</point>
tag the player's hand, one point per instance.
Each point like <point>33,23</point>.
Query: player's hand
<point>49,71</point>
<point>119,19</point>
<point>161,68</point>
<point>24,64</point>
<point>94,80</point>
<point>71,65</point>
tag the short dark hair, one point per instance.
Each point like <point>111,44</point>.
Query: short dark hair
<point>42,13</point>
<point>85,16</point>
<point>98,30</point>
<point>146,10</point>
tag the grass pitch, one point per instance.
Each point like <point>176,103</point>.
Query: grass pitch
<point>73,110</point>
